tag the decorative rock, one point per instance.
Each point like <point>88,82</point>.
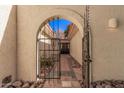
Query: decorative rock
<point>107,86</point>
<point>17,84</point>
<point>33,86</point>
<point>108,83</point>
<point>11,86</point>
<point>8,85</point>
<point>93,85</point>
<point>41,81</point>
<point>40,86</point>
<point>31,82</point>
<point>119,81</point>
<point>0,85</point>
<point>99,86</point>
<point>119,86</point>
<point>26,85</point>
<point>113,84</point>
<point>36,83</point>
<point>98,83</point>
<point>103,85</point>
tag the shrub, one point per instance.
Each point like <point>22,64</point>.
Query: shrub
<point>46,62</point>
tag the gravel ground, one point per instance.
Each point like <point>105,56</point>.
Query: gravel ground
<point>108,84</point>
<point>40,84</point>
<point>24,84</point>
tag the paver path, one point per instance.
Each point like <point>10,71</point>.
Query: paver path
<point>70,76</point>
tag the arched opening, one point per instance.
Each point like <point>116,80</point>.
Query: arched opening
<point>54,47</point>
<point>56,41</point>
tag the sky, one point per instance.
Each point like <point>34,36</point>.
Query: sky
<point>4,15</point>
<point>63,24</point>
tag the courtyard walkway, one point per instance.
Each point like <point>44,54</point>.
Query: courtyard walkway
<point>71,74</point>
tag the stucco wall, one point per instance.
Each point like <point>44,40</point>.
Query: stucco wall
<point>76,47</point>
<point>29,20</point>
<point>8,48</point>
<point>108,46</point>
<point>107,50</point>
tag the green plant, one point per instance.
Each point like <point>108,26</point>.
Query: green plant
<point>46,62</point>
<point>66,32</point>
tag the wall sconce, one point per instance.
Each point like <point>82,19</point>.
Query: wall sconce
<point>112,23</point>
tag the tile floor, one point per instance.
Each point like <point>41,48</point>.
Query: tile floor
<point>70,76</point>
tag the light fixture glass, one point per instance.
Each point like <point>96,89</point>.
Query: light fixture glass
<point>113,23</point>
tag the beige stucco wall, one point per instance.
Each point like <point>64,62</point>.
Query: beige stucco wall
<point>8,48</point>
<point>29,20</point>
<point>76,47</point>
<point>107,50</point>
<point>108,46</point>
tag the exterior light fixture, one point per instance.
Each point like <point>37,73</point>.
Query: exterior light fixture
<point>112,23</point>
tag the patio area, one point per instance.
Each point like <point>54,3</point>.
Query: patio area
<point>71,74</point>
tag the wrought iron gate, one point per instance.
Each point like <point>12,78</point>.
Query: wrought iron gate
<point>50,59</point>
<point>49,47</point>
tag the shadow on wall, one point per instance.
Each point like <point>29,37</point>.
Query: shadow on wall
<point>8,48</point>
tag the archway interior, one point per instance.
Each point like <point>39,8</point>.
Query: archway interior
<point>54,60</point>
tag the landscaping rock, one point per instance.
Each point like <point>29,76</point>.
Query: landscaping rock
<point>34,85</point>
<point>17,84</point>
<point>0,85</point>
<point>119,86</point>
<point>93,85</point>
<point>23,84</point>
<point>119,82</point>
<point>41,81</point>
<point>108,86</point>
<point>26,85</point>
<point>99,86</point>
<point>40,86</point>
<point>8,85</point>
<point>103,85</point>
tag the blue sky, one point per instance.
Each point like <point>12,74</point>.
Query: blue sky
<point>63,24</point>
